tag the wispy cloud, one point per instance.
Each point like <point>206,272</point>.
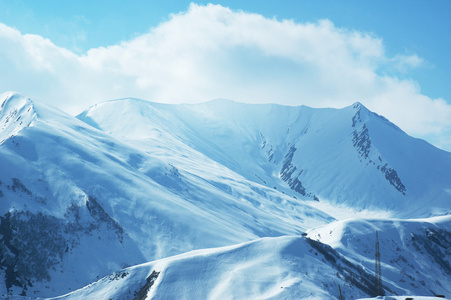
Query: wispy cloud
<point>210,52</point>
<point>404,63</point>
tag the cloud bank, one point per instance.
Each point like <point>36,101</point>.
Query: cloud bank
<point>212,52</point>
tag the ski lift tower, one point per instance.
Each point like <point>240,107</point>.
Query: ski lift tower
<point>378,275</point>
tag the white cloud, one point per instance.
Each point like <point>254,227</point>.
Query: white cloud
<point>403,63</point>
<point>213,52</point>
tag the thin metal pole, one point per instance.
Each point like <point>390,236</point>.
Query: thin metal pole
<point>378,271</point>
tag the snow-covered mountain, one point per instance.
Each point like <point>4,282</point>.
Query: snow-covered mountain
<point>349,156</point>
<point>129,181</point>
<point>81,204</point>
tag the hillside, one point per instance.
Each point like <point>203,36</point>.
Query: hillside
<point>129,182</point>
<point>415,259</point>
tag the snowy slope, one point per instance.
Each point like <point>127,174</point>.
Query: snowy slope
<point>295,267</point>
<point>268,268</point>
<point>415,254</point>
<point>80,204</point>
<point>350,157</point>
<point>415,261</point>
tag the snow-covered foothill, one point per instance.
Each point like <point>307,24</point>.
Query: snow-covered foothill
<point>268,268</point>
<point>274,268</point>
<point>415,254</point>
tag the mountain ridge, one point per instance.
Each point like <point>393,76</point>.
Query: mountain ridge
<point>150,181</point>
<point>226,130</point>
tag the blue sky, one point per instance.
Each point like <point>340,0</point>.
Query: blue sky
<point>406,27</point>
<point>389,55</point>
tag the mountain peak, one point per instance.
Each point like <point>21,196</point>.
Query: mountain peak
<point>16,113</point>
<point>358,108</point>
<point>357,105</point>
<point>10,99</point>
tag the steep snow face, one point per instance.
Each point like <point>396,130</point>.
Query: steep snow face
<point>79,204</point>
<point>349,157</point>
<point>415,254</point>
<point>268,268</point>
